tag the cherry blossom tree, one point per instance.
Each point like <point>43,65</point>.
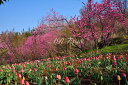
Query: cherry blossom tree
<point>41,43</point>
<point>97,22</point>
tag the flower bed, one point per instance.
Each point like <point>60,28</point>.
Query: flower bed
<point>68,70</point>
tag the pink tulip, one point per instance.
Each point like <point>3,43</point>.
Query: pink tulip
<point>124,75</point>
<point>24,65</point>
<point>67,80</point>
<point>76,71</point>
<point>65,68</point>
<point>22,81</point>
<point>35,69</point>
<point>22,70</point>
<point>1,70</point>
<point>27,83</point>
<point>9,74</point>
<point>58,77</point>
<point>120,57</point>
<point>19,75</point>
<point>114,58</point>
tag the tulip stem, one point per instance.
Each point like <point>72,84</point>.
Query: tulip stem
<point>119,82</point>
<point>59,82</point>
<point>126,81</point>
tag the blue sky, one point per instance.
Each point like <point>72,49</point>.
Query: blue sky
<point>25,14</point>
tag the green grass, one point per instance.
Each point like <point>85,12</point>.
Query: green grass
<point>108,49</point>
<point>115,49</point>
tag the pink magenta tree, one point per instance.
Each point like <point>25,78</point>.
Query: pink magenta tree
<point>41,43</point>
<point>9,44</point>
<point>97,23</point>
<point>37,46</point>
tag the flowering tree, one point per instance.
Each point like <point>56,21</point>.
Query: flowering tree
<point>39,46</point>
<point>41,43</point>
<point>97,22</point>
<point>9,44</point>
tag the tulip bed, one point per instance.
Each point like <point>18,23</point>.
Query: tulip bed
<point>68,70</point>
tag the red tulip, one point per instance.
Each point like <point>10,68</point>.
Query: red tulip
<point>115,63</point>
<point>65,68</point>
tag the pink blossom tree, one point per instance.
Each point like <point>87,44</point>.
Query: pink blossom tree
<point>10,42</point>
<point>97,22</point>
<point>41,43</point>
<point>39,46</point>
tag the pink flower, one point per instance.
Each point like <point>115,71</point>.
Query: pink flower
<point>58,77</point>
<point>1,70</point>
<point>114,58</point>
<point>72,59</point>
<point>65,68</point>
<point>9,74</point>
<point>27,83</point>
<point>24,65</point>
<point>120,57</point>
<point>35,69</point>
<point>124,75</point>
<point>22,70</point>
<point>109,57</point>
<point>67,80</point>
<point>76,71</point>
<point>22,81</point>
<point>19,75</point>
